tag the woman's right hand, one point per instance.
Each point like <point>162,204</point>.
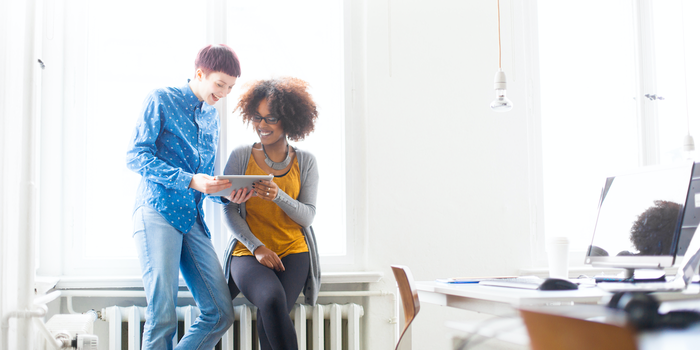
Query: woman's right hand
<point>240,196</point>
<point>268,258</point>
<point>208,184</point>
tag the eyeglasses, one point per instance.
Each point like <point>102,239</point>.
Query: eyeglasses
<point>269,120</point>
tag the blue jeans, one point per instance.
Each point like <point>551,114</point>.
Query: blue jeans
<point>164,252</point>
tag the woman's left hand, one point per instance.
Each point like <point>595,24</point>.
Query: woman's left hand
<point>266,190</point>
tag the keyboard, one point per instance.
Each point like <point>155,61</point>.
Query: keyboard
<point>524,282</point>
<point>641,287</point>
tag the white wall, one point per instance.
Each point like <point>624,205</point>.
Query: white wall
<point>447,176</point>
<point>448,181</point>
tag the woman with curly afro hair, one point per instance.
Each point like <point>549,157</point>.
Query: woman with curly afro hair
<point>272,253</point>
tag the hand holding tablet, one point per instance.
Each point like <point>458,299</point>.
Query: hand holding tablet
<point>238,182</point>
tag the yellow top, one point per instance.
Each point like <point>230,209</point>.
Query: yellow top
<point>268,222</point>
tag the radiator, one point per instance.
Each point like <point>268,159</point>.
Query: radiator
<point>332,326</point>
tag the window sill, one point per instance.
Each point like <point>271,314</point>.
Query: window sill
<point>135,282</point>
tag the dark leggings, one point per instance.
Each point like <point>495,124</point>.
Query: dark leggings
<point>274,294</point>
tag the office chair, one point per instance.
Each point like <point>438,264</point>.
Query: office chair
<point>553,329</point>
<point>409,298</point>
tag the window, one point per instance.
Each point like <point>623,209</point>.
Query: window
<point>307,46</point>
<point>107,66</point>
<point>675,54</point>
<point>595,118</point>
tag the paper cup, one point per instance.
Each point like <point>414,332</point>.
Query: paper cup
<point>558,257</point>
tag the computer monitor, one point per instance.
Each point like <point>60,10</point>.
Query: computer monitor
<point>691,216</point>
<point>640,216</point>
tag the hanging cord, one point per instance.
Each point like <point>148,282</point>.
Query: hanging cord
<point>498,7</point>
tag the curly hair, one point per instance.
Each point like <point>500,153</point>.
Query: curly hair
<point>652,232</point>
<point>288,100</point>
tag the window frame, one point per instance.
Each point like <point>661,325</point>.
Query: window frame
<point>646,116</point>
<point>58,241</point>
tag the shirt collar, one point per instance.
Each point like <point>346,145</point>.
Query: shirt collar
<point>190,98</point>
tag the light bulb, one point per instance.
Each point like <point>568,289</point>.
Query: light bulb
<point>688,147</point>
<point>501,103</point>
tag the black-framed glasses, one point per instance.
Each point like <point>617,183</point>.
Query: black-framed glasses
<point>269,120</point>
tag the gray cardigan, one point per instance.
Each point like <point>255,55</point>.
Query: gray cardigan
<point>302,211</point>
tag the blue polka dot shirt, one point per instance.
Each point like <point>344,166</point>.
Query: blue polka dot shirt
<point>176,136</point>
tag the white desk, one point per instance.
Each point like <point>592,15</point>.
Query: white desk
<point>502,300</point>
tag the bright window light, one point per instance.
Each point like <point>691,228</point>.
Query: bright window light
<point>588,108</point>
<point>303,39</point>
<point>124,62</point>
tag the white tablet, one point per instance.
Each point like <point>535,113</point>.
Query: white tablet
<point>239,181</point>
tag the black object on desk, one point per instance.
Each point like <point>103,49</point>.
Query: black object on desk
<point>557,284</point>
<point>643,312</point>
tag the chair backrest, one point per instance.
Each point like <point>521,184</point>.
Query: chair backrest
<point>553,331</point>
<point>409,296</point>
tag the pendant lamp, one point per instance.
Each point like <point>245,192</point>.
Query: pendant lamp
<point>501,103</point>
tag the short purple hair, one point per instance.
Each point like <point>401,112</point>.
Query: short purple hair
<point>218,58</point>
